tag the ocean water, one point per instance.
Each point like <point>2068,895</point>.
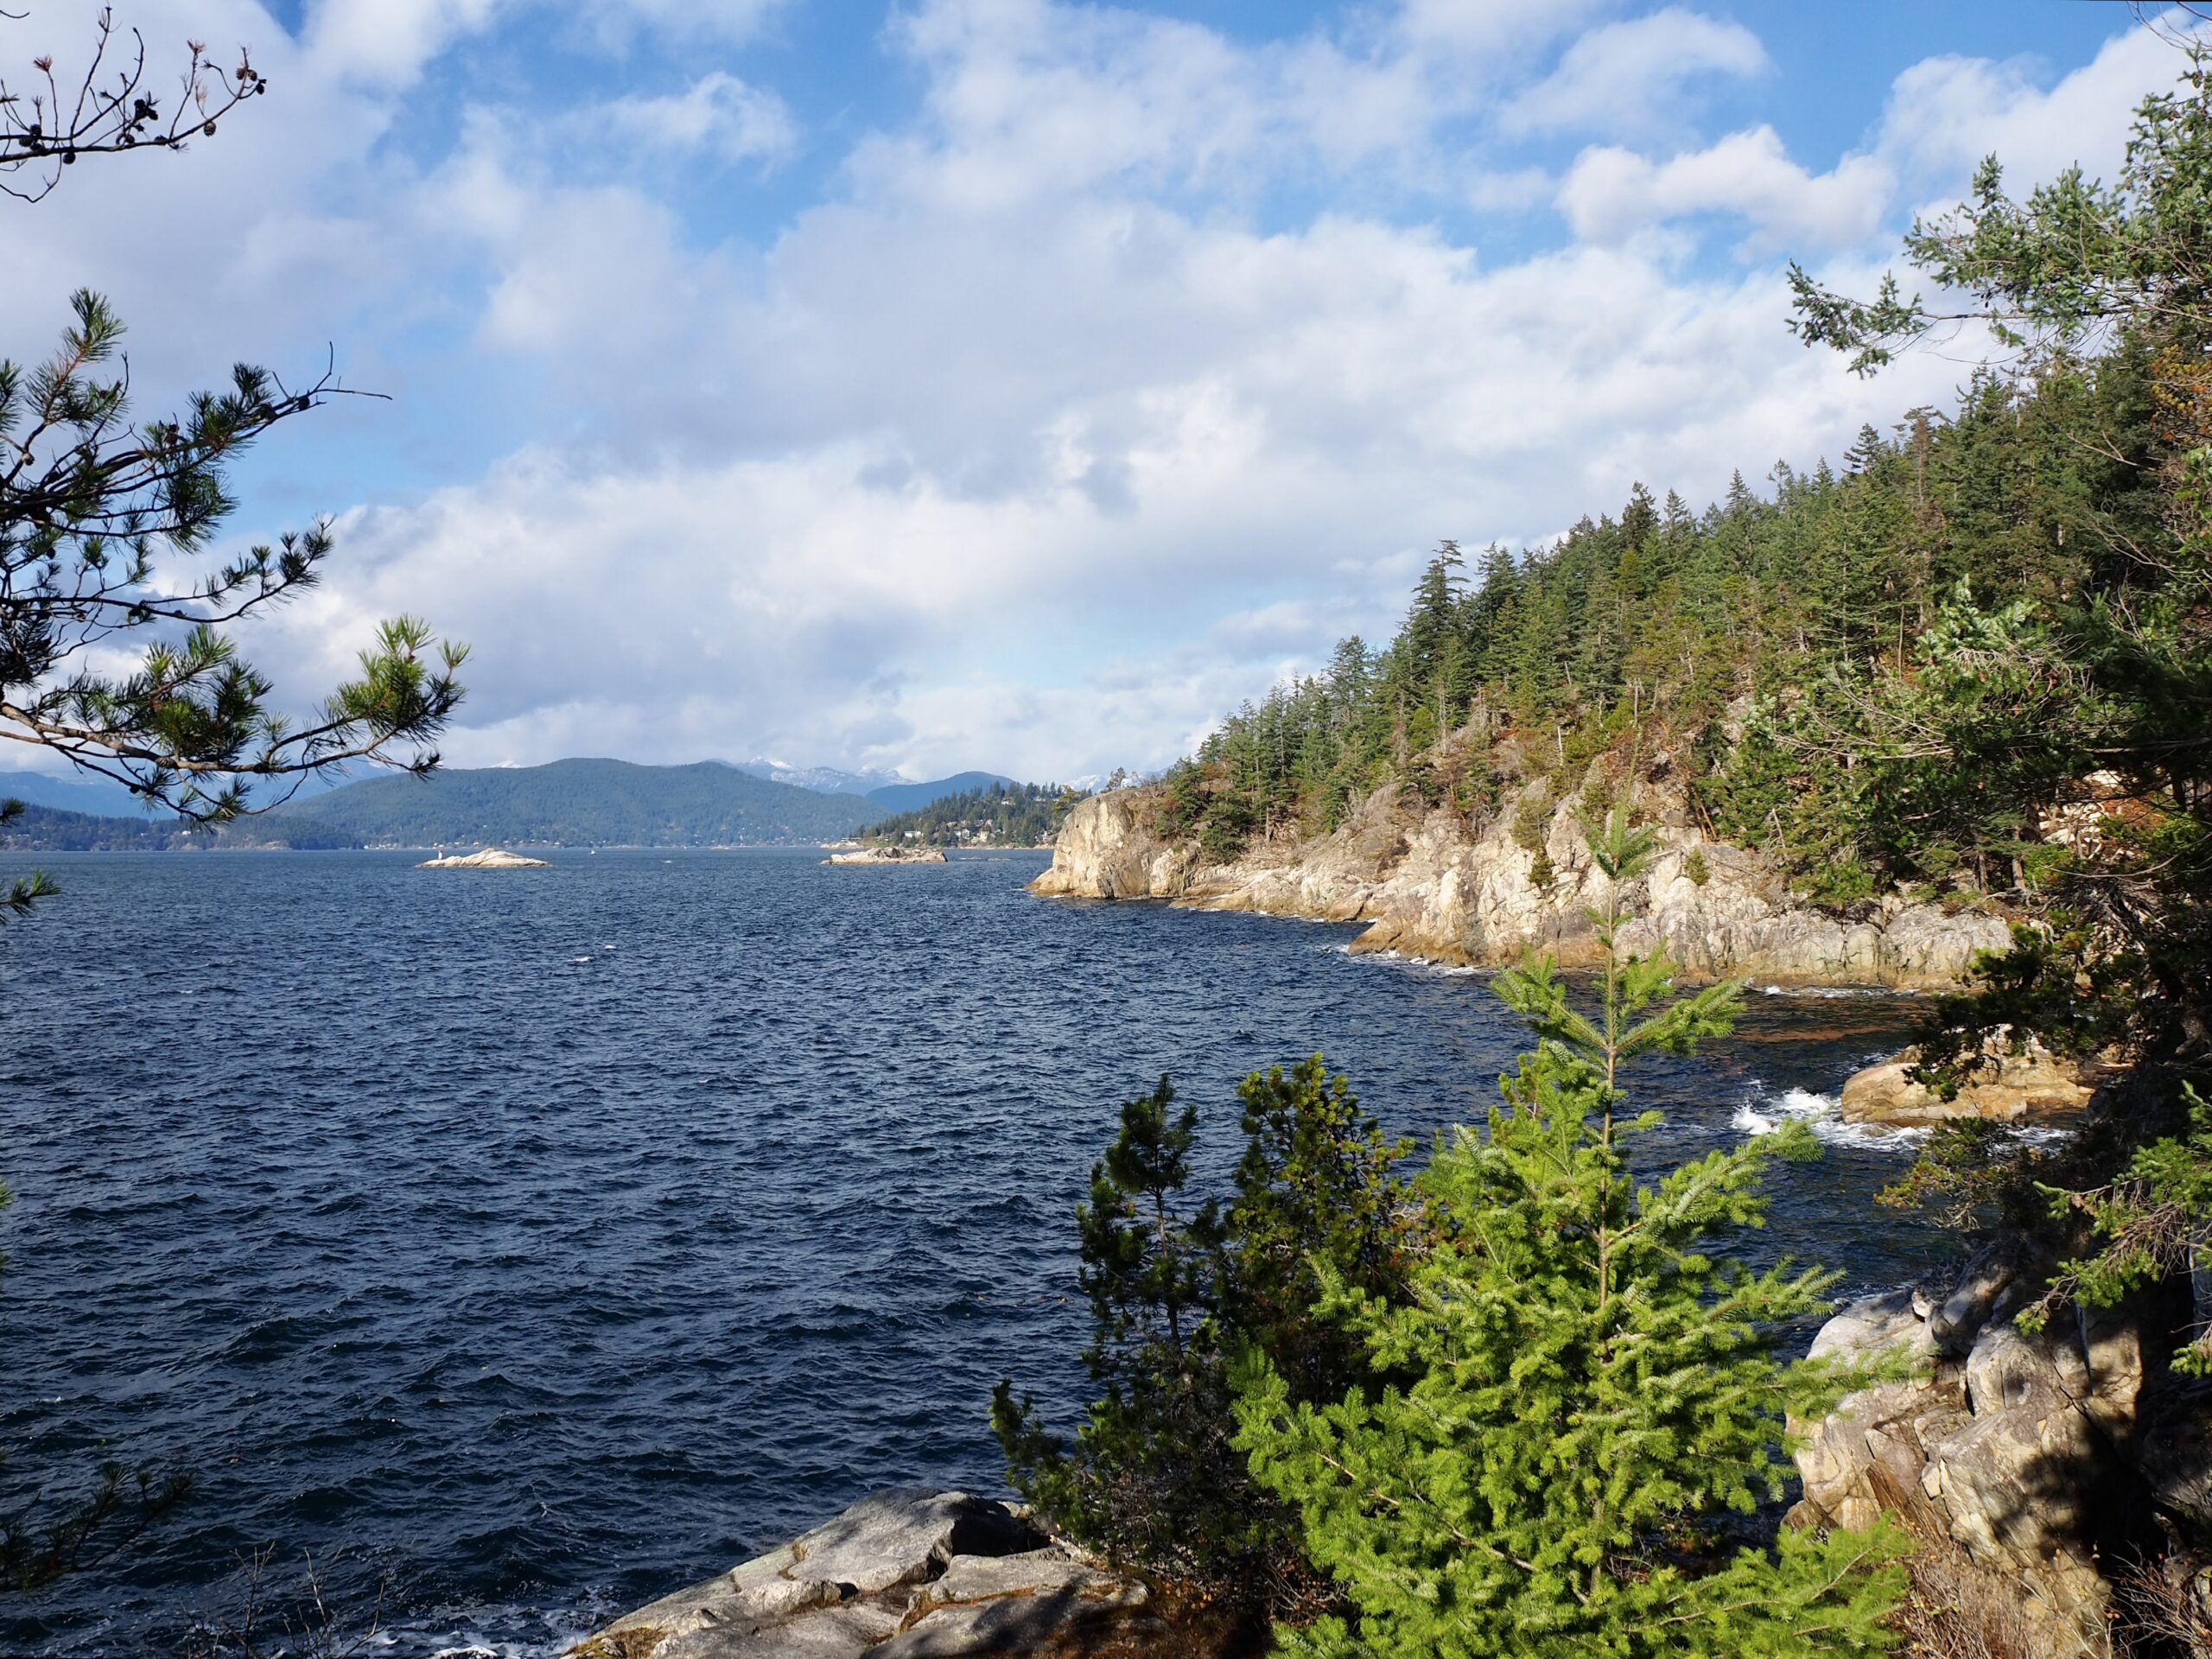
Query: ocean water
<point>520,1246</point>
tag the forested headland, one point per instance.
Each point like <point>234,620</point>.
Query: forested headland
<point>992,815</point>
<point>1969,661</point>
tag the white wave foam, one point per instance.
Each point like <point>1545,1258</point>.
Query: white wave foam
<point>1839,993</point>
<point>1753,1123</point>
<point>1762,1114</point>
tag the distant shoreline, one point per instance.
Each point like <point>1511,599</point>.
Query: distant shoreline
<point>578,848</point>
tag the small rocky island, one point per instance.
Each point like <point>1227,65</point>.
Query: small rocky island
<point>491,858</point>
<point>889,856</point>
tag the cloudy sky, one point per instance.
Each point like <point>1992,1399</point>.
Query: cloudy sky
<point>1008,383</point>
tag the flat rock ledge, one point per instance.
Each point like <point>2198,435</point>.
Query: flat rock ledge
<point>2027,1087</point>
<point>890,855</point>
<point>908,1573</point>
<point>491,858</point>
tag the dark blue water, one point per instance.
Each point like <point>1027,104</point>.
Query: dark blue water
<point>533,1243</point>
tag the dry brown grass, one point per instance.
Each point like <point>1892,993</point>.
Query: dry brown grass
<point>1955,1611</point>
<point>2170,1604</point>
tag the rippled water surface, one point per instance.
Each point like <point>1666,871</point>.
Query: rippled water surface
<point>533,1243</point>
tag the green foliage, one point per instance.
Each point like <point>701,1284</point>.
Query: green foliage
<point>1576,1388</point>
<point>2069,267</point>
<point>2057,729</point>
<point>22,892</point>
<point>1695,867</point>
<point>2154,1222</point>
<point>50,829</point>
<point>1314,1187</point>
<point>94,515</point>
<point>564,802</point>
<point>994,815</point>
<point>1154,1480</point>
<point>1149,1480</point>
<point>1532,816</point>
<point>122,1504</point>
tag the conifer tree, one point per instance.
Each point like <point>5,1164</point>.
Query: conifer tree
<point>1154,1479</point>
<point>1576,1390</point>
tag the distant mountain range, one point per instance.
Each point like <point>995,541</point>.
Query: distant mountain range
<point>87,794</point>
<point>582,803</point>
<point>587,803</point>
<point>47,828</point>
<point>824,780</point>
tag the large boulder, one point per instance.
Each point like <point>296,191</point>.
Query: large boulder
<point>2021,1450</point>
<point>2008,1087</point>
<point>909,1573</point>
<point>1110,848</point>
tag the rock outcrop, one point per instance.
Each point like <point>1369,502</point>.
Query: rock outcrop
<point>2026,1453</point>
<point>909,1573</point>
<point>491,858</point>
<point>889,856</point>
<point>2008,1089</point>
<point>1431,883</point>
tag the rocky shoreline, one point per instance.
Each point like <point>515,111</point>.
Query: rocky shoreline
<point>908,1573</point>
<point>2036,1465</point>
<point>1430,884</point>
<point>2030,1462</point>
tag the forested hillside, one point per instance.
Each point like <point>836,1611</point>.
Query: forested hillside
<point>1750,642</point>
<point>46,828</point>
<point>567,803</point>
<point>997,813</point>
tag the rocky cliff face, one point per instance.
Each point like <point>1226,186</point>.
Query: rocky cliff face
<point>1430,884</point>
<point>2048,1462</point>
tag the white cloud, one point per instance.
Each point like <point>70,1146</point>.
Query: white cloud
<point>1611,194</point>
<point>1083,403</point>
<point>387,43</point>
<point>1030,98</point>
<point>1269,408</point>
<point>1629,76</point>
<point>1946,114</point>
<point>718,114</point>
<point>1491,29</point>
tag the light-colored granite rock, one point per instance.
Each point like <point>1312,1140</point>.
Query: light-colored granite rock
<point>890,855</point>
<point>908,1573</point>
<point>491,858</point>
<point>2019,1449</point>
<point>1435,884</point>
<point>2008,1087</point>
<point>1110,848</point>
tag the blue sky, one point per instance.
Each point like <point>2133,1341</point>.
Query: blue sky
<point>1005,382</point>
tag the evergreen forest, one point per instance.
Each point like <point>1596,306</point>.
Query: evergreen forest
<point>993,815</point>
